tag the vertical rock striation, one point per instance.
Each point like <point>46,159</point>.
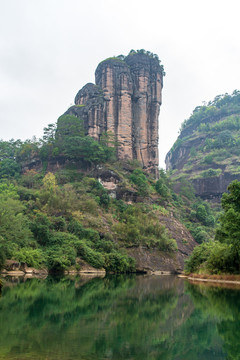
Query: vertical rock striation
<point>125,102</point>
<point>114,78</point>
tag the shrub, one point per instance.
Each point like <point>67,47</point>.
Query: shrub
<point>121,206</point>
<point>167,244</point>
<point>193,151</point>
<point>119,263</point>
<point>91,235</point>
<point>201,236</point>
<point>60,238</point>
<point>31,179</point>
<point>105,200</point>
<point>59,223</point>
<point>213,257</point>
<point>76,228</point>
<point>201,213</point>
<point>88,205</point>
<point>104,246</point>
<point>163,185</point>
<point>129,233</point>
<point>199,255</point>
<point>9,168</point>
<point>139,228</point>
<point>92,257</point>
<point>162,189</point>
<point>14,224</point>
<point>40,226</point>
<point>87,149</point>
<point>32,257</point>
<point>199,233</point>
<point>208,159</point>
<point>60,258</point>
<point>3,255</point>
<point>139,179</point>
<point>211,173</point>
<point>210,221</point>
<point>220,259</point>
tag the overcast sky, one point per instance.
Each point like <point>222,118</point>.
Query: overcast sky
<point>49,49</point>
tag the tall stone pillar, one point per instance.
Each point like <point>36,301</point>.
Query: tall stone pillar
<point>125,103</point>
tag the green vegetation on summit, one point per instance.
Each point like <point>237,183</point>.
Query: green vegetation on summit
<point>121,58</point>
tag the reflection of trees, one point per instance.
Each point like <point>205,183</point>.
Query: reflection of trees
<point>118,317</point>
<point>230,332</point>
<point>221,307</point>
<point>110,318</point>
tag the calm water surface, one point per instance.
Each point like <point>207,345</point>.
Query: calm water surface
<point>118,317</point>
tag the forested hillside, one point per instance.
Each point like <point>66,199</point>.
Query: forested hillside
<point>206,155</point>
<point>208,147</point>
<point>64,198</point>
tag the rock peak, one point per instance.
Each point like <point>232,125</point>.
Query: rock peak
<point>125,102</point>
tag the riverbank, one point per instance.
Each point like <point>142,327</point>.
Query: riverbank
<point>213,279</point>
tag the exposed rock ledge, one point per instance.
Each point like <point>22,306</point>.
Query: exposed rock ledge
<point>15,268</point>
<point>234,282</point>
<point>156,262</point>
<point>83,268</point>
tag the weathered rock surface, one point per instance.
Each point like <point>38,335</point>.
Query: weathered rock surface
<point>212,188</point>
<point>83,268</point>
<point>125,102</point>
<point>208,187</point>
<point>153,261</point>
<point>15,268</point>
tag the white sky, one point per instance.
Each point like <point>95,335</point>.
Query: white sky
<point>49,49</point>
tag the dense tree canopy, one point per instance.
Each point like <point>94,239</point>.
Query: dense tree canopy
<point>222,255</point>
<point>229,231</point>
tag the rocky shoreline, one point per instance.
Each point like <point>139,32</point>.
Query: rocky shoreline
<point>14,268</point>
<point>213,279</point>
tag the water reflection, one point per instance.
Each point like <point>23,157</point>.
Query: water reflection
<point>118,317</point>
<point>221,306</point>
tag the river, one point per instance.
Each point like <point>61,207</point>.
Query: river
<point>118,317</point>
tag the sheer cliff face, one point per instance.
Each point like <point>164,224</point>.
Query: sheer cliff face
<point>114,78</point>
<point>125,102</point>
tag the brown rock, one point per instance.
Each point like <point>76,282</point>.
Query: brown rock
<point>125,102</point>
<point>15,268</point>
<point>83,268</point>
<point>12,265</point>
<point>15,273</point>
<point>154,261</point>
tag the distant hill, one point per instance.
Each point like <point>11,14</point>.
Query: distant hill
<point>207,151</point>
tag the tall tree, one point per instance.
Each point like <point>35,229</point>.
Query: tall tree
<point>229,231</point>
